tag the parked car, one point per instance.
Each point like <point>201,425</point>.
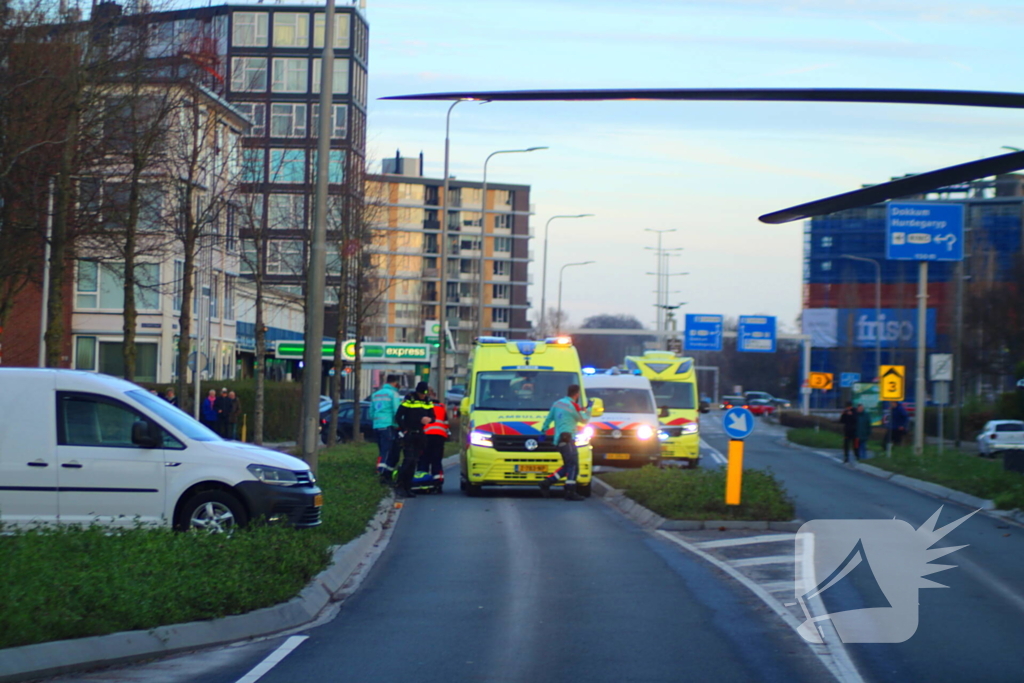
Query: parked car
<point>733,402</point>
<point>999,435</point>
<point>781,403</point>
<point>455,395</point>
<point>345,414</point>
<point>758,396</point>
<point>759,406</point>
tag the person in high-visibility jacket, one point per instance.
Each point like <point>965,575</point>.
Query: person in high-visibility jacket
<point>436,434</point>
<point>415,413</point>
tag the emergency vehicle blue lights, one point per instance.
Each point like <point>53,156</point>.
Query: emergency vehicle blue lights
<point>684,367</point>
<point>589,371</point>
<point>491,340</point>
<point>526,347</point>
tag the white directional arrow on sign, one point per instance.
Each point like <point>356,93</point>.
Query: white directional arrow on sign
<point>738,422</point>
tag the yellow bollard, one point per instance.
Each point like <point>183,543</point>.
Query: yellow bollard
<point>734,473</point>
<point>245,425</point>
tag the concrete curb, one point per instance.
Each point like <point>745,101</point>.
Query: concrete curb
<point>64,656</point>
<point>928,487</point>
<point>648,519</point>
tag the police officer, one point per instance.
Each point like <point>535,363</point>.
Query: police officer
<point>415,413</point>
<point>566,413</point>
<point>436,434</point>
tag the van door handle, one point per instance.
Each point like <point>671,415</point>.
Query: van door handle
<point>72,465</point>
<point>38,463</point>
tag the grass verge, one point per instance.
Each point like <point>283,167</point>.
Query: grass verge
<point>72,582</point>
<point>700,494</point>
<point>963,472</point>
<point>808,436</point>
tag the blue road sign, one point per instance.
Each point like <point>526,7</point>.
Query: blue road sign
<point>703,332</point>
<point>924,231</point>
<point>756,334</point>
<point>738,423</point>
<point>848,379</point>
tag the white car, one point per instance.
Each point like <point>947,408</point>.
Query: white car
<point>81,448</point>
<point>1001,435</point>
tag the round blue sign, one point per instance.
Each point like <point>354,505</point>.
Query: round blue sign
<point>738,423</point>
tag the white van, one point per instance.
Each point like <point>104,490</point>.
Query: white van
<point>78,448</point>
<point>627,433</point>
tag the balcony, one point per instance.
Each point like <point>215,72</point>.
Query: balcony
<point>430,272</point>
<point>431,225</point>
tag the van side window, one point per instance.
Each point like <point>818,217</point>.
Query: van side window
<point>90,420</point>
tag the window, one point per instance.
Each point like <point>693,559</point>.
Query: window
<point>252,165</point>
<point>248,261</point>
<point>291,29</point>
<point>469,243</point>
<point>287,120</point>
<point>359,78</point>
<point>501,291</point>
<point>249,29</point>
<point>407,311</point>
<point>101,285</point>
<point>230,232</point>
<point>249,74</point>
<point>284,257</point>
<point>410,216</point>
<point>500,315</point>
<point>339,121</point>
<point>335,166</point>
<point>286,212</point>
<point>290,74</point>
<point>85,353</point>
<point>256,112</point>
<point>179,285</point>
<point>503,244</point>
<point>287,165</point>
<point>502,220</point>
<point>341,30</point>
<point>87,284</point>
<point>87,420</point>
<point>470,219</point>
<point>340,76</point>
<point>111,360</point>
<point>502,268</point>
<point>214,291</point>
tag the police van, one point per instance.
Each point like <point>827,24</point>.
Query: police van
<point>511,387</point>
<point>674,382</point>
<point>628,432</point>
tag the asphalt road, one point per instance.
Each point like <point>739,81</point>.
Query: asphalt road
<point>971,631</point>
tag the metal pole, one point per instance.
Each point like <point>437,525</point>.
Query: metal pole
<point>544,270</point>
<point>316,275</point>
<point>43,312</point>
<point>442,350</point>
<point>560,274</point>
<point>958,353</point>
<point>200,327</point>
<point>922,339</point>
<point>805,393</point>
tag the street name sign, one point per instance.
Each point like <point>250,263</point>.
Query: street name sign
<point>894,382</point>
<point>738,423</point>
<point>703,332</point>
<point>848,379</point>
<point>756,334</point>
<point>916,231</point>
<point>820,380</point>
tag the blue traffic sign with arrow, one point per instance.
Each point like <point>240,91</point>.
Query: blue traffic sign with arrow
<point>924,232</point>
<point>738,423</point>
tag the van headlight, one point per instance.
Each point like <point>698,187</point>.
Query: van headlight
<point>644,432</point>
<point>481,439</point>
<point>584,436</point>
<point>690,428</point>
<point>273,475</point>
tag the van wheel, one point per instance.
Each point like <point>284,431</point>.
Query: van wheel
<point>216,512</point>
<point>584,490</point>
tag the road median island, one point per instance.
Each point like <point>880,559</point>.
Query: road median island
<point>63,583</point>
<point>699,495</point>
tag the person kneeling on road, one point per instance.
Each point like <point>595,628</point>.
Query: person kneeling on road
<point>415,413</point>
<point>566,414</point>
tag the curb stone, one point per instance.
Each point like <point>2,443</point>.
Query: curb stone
<point>649,519</point>
<point>42,660</point>
<point>929,487</point>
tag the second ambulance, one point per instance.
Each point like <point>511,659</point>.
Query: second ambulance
<point>674,381</point>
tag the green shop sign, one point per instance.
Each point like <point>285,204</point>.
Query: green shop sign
<point>378,352</point>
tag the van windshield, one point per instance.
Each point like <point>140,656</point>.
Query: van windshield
<point>521,389</point>
<point>176,418</point>
<point>678,395</point>
<point>623,400</point>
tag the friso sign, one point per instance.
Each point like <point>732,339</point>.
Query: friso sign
<point>894,327</point>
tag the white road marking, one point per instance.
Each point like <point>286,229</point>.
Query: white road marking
<point>779,586</point>
<point>758,561</point>
<point>714,452</point>
<point>832,655</point>
<point>748,540</point>
<point>272,660</point>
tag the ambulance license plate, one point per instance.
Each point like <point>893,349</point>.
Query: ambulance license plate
<point>318,500</point>
<point>531,468</point>
<point>616,456</point>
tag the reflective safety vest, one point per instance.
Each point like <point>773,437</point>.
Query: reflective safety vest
<point>439,427</point>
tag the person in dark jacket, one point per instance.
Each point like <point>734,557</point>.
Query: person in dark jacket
<point>170,397</point>
<point>863,431</point>
<point>234,416</point>
<point>223,407</point>
<point>849,421</point>
<point>899,420</point>
<point>415,413</point>
<point>208,411</point>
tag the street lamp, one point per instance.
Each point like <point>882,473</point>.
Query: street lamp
<point>483,234</point>
<point>878,305</point>
<point>662,266</point>
<point>544,269</point>
<point>560,274</point>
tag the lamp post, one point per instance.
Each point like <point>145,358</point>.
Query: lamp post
<point>544,268</point>
<point>560,274</point>
<point>661,271</point>
<point>878,305</point>
<point>483,234</point>
<point>442,277</point>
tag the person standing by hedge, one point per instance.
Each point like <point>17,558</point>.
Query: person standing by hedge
<point>384,405</point>
<point>208,411</point>
<point>849,422</point>
<point>863,431</point>
<point>234,416</point>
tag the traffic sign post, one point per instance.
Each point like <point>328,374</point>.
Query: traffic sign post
<point>738,424</point>
<point>848,379</point>
<point>894,382</point>
<point>756,334</point>
<point>940,367</point>
<point>703,332</point>
<point>820,380</point>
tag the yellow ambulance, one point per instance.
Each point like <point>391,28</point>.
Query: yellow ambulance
<point>511,387</point>
<point>674,381</point>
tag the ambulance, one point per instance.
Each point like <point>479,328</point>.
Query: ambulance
<point>512,385</point>
<point>674,381</point>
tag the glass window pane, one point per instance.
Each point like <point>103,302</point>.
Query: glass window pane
<point>340,76</point>
<point>290,74</point>
<point>252,165</point>
<point>287,165</point>
<point>85,353</point>
<point>291,29</point>
<point>249,29</point>
<point>111,286</point>
<point>147,286</point>
<point>112,358</point>
<point>249,74</point>
<point>86,276</point>
<point>341,31</point>
<point>145,362</point>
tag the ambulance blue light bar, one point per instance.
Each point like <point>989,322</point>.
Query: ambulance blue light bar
<point>491,340</point>
<point>560,341</point>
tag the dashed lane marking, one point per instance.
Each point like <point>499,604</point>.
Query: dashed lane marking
<point>747,540</point>
<point>272,660</point>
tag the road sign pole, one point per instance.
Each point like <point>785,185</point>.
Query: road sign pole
<point>805,396</point>
<point>734,472</point>
<point>922,341</point>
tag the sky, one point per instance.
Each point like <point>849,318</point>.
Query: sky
<point>706,170</point>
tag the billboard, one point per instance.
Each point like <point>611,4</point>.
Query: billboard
<point>838,327</point>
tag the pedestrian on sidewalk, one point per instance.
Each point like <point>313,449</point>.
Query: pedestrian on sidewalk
<point>234,416</point>
<point>566,414</point>
<point>863,431</point>
<point>899,420</point>
<point>222,405</point>
<point>208,411</point>
<point>849,421</point>
<point>384,405</point>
